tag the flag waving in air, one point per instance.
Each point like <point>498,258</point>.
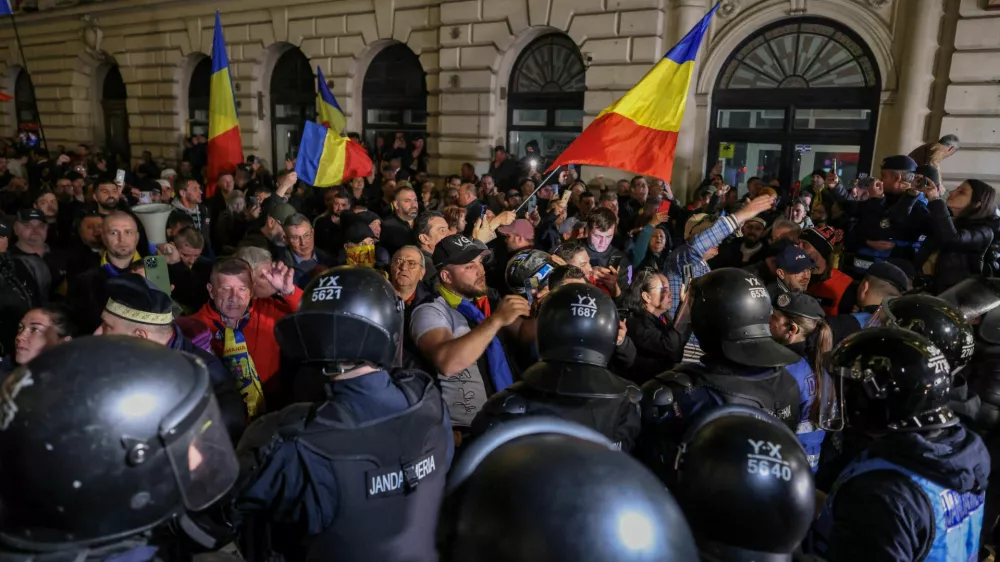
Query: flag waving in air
<point>327,159</point>
<point>225,148</point>
<point>638,133</point>
<point>5,9</point>
<point>328,112</point>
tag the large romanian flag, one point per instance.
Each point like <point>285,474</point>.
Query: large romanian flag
<point>225,148</point>
<point>638,133</point>
<point>328,110</point>
<point>327,159</point>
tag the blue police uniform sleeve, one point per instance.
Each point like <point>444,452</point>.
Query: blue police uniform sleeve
<point>282,480</point>
<point>880,516</point>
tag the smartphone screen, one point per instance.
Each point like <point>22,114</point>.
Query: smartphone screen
<point>156,272</point>
<point>120,177</point>
<point>145,198</point>
<point>532,204</point>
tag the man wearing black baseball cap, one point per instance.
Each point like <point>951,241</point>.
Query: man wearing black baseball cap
<point>794,270</point>
<point>457,330</point>
<point>797,323</point>
<point>47,266</point>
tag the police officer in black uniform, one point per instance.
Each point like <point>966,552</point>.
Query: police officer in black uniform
<point>937,320</point>
<point>541,489</point>
<point>577,329</point>
<point>917,491</point>
<point>978,299</point>
<point>110,446</point>
<point>745,486</point>
<point>945,326</point>
<point>730,313</point>
<point>360,476</point>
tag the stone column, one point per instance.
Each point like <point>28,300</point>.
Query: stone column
<point>688,157</point>
<point>916,71</point>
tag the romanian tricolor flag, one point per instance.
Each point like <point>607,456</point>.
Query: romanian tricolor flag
<point>225,148</point>
<point>327,159</point>
<point>638,133</point>
<point>328,110</point>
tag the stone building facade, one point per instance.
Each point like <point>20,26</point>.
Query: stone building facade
<point>931,67</point>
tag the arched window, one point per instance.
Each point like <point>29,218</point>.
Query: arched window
<point>394,96</point>
<point>115,117</point>
<point>799,95</point>
<point>293,101</point>
<point>198,97</point>
<point>545,99</point>
<point>24,103</point>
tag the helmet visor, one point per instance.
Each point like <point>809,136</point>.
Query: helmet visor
<point>203,459</point>
<point>974,297</point>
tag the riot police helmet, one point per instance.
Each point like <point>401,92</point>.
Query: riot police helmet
<point>577,323</point>
<point>745,485</point>
<point>105,439</point>
<point>935,319</point>
<point>349,315</point>
<point>528,271</point>
<point>730,316</point>
<point>891,379</point>
<point>544,489</point>
<point>978,298</point>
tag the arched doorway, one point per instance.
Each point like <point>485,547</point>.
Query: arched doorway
<point>198,98</point>
<point>293,102</point>
<point>113,96</point>
<point>26,110</point>
<point>545,100</point>
<point>394,96</point>
<point>799,95</point>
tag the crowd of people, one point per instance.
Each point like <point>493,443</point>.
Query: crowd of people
<point>514,368</point>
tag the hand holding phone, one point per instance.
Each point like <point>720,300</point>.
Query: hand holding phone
<point>120,177</point>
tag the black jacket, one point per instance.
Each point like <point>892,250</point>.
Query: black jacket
<point>960,244</point>
<point>87,295</point>
<point>17,295</point>
<point>396,234</point>
<point>658,346</point>
<point>881,515</point>
<point>506,175</point>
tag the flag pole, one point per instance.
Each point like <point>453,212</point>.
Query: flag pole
<point>24,61</point>
<point>540,185</point>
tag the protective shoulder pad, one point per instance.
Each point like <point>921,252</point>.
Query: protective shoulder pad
<point>506,403</point>
<point>264,434</point>
<point>414,384</point>
<point>269,428</point>
<point>681,376</point>
<point>634,394</point>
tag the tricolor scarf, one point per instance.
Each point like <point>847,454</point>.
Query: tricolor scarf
<point>476,312</point>
<point>236,358</point>
<point>111,268</point>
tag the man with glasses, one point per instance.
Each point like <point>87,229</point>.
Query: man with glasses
<point>301,253</point>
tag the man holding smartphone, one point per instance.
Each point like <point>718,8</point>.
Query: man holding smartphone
<point>892,197</point>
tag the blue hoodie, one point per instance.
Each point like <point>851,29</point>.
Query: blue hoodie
<point>882,515</point>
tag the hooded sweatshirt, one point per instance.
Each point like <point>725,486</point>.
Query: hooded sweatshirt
<point>883,515</point>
